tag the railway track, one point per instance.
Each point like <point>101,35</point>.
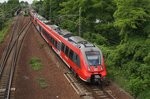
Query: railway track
<point>87,90</point>
<point>9,58</point>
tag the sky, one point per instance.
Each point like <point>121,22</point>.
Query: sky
<point>29,1</point>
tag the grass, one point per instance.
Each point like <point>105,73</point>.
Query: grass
<point>3,34</point>
<point>36,63</point>
<point>4,30</point>
<point>42,82</point>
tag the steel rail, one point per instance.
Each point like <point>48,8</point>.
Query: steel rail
<point>16,55</point>
<point>9,49</point>
<point>7,77</point>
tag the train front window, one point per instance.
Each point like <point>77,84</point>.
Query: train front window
<point>93,58</point>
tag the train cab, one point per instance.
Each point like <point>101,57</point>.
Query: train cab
<point>91,58</point>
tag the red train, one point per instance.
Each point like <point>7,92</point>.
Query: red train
<point>83,57</point>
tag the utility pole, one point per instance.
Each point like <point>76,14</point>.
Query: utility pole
<point>73,15</point>
<point>50,9</point>
<point>79,21</point>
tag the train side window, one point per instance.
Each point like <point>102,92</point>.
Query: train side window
<point>62,47</point>
<point>52,41</point>
<point>58,45</point>
<point>45,33</point>
<point>71,54</point>
<point>76,59</point>
<point>66,50</point>
<point>55,43</point>
<point>49,37</point>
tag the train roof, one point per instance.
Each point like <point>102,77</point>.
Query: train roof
<point>41,18</point>
<point>62,32</point>
<point>75,40</point>
<point>80,42</point>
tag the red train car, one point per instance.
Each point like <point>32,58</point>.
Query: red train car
<point>83,57</point>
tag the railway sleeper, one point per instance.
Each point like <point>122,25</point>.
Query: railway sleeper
<point>3,90</point>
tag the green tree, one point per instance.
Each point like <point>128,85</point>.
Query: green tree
<point>37,5</point>
<point>96,17</point>
<point>132,17</point>
<point>1,18</point>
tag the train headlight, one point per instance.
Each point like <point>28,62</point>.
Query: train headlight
<point>89,68</point>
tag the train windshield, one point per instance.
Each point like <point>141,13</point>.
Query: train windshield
<point>93,58</point>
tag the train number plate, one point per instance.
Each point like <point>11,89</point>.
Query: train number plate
<point>95,69</point>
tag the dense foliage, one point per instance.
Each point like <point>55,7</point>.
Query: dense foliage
<point>10,7</point>
<point>7,10</point>
<point>121,28</point>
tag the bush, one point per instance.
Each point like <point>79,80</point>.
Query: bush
<point>128,64</point>
<point>42,82</point>
<point>3,32</point>
<point>36,63</point>
<point>144,95</point>
<point>95,38</point>
<point>136,85</point>
<point>147,58</point>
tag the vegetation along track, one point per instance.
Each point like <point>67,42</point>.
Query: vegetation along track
<point>10,56</point>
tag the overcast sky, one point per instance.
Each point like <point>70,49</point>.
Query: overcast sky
<point>29,1</point>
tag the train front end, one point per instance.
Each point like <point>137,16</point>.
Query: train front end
<point>95,69</point>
